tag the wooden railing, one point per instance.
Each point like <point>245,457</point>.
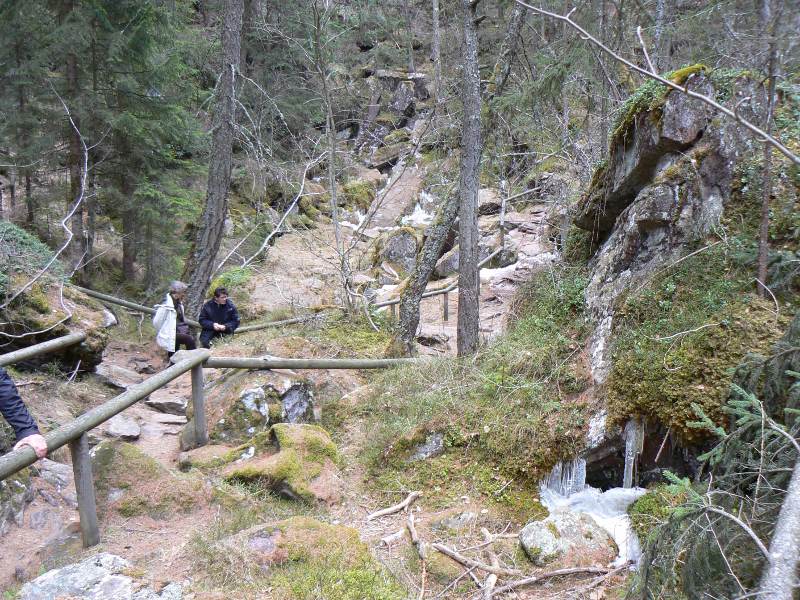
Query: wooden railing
<point>444,291</point>
<point>75,432</point>
<point>151,311</point>
<point>43,348</point>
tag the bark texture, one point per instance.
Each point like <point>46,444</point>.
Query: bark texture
<point>468,280</point>
<point>779,579</point>
<point>436,48</point>
<point>200,265</point>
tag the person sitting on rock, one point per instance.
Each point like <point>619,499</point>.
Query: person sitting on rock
<point>14,411</point>
<point>170,321</point>
<point>219,317</point>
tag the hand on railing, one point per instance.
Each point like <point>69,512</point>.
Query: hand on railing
<point>35,441</point>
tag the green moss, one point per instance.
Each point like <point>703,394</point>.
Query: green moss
<point>313,560</point>
<point>303,451</point>
<point>396,136</point>
<point>22,255</point>
<point>654,508</point>
<point>351,337</point>
<point>518,402</point>
<point>359,194</point>
<point>551,527</point>
<point>649,97</point>
<point>308,207</point>
<point>147,487</point>
<point>678,340</point>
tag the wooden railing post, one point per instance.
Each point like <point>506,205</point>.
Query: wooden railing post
<point>199,404</point>
<point>445,306</point>
<point>84,486</point>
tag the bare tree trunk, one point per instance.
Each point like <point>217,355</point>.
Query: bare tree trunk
<point>29,197</point>
<point>604,91</point>
<point>200,265</point>
<point>779,579</point>
<point>406,331</point>
<point>74,157</point>
<point>409,35</point>
<point>508,50</point>
<point>763,236</point>
<point>130,245</point>
<point>468,280</point>
<point>659,59</point>
<point>437,54</point>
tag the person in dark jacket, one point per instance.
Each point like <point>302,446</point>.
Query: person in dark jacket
<point>14,411</point>
<point>218,317</point>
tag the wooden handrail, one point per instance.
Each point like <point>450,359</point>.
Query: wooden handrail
<point>43,348</point>
<point>235,362</point>
<point>25,456</point>
<point>192,322</point>
<point>444,290</point>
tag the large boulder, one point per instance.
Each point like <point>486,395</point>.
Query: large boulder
<point>397,247</point>
<point>303,469</point>
<point>131,483</point>
<point>573,538</point>
<point>100,577</point>
<point>663,188</point>
<point>254,411</point>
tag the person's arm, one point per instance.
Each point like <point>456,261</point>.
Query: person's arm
<point>14,411</point>
<point>233,319</point>
<point>206,322</point>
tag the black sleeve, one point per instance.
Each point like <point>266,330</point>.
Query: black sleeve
<point>13,409</point>
<point>206,321</point>
<point>233,318</point>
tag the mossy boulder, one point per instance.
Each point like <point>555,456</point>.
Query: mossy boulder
<point>654,508</point>
<point>570,537</point>
<point>358,194</point>
<point>301,557</point>
<point>131,483</point>
<point>398,247</point>
<point>386,156</point>
<point>252,412</point>
<point>672,380</point>
<point>303,469</point>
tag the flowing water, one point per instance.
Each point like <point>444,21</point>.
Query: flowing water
<point>566,489</point>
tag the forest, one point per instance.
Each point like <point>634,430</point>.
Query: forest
<point>400,299</point>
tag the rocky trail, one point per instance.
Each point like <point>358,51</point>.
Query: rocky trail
<point>300,272</point>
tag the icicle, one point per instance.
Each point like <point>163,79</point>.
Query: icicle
<point>634,442</point>
<point>567,478</point>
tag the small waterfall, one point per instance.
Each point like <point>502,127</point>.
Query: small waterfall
<point>566,477</point>
<point>634,443</point>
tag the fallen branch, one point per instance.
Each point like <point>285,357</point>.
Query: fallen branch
<point>393,537</point>
<point>412,531</point>
<point>598,580</point>
<point>396,508</point>
<point>491,578</point>
<point>469,562</point>
<point>544,576</point>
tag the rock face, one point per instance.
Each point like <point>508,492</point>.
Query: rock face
<point>99,577</point>
<point>298,404</point>
<point>15,494</point>
<point>574,537</point>
<point>252,413</point>
<point>663,188</point>
<point>168,404</point>
<point>400,248</point>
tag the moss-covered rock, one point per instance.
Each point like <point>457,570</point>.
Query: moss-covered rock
<point>131,483</point>
<point>301,557</point>
<point>670,378</point>
<point>248,415</point>
<point>358,194</point>
<point>654,508</point>
<point>303,469</point>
